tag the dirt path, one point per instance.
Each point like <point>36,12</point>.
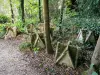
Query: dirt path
<point>15,62</point>
<point>12,61</point>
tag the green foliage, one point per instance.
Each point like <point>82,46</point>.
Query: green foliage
<point>89,7</point>
<point>31,8</point>
<point>4,19</point>
<point>23,29</point>
<point>19,24</point>
<point>2,30</point>
<point>36,49</point>
<point>25,45</point>
<point>20,27</point>
<point>92,24</point>
<point>86,17</point>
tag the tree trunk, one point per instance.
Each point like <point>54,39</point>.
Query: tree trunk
<point>61,16</point>
<point>47,27</point>
<point>95,62</point>
<point>40,11</point>
<point>22,11</point>
<point>74,4</point>
<point>12,13</point>
<point>61,12</point>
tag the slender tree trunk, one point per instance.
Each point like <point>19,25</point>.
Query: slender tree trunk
<point>61,16</point>
<point>40,11</point>
<point>12,13</point>
<point>22,11</point>
<point>74,4</point>
<point>47,27</point>
<point>95,62</point>
<point>61,11</point>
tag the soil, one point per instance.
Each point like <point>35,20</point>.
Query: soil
<point>15,62</point>
<point>12,61</point>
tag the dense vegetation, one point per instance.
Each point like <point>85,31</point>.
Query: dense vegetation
<point>61,19</point>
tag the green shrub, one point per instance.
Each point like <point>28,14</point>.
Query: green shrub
<point>24,46</point>
<point>4,19</point>
<point>2,30</point>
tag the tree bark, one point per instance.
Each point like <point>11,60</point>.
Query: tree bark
<point>61,16</point>
<point>12,13</point>
<point>95,62</point>
<point>40,11</point>
<point>22,11</point>
<point>47,27</point>
<point>61,12</point>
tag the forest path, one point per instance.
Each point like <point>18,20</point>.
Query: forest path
<point>12,61</point>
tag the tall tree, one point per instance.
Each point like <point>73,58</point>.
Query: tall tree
<point>40,11</point>
<point>61,15</point>
<point>61,11</point>
<point>12,13</point>
<point>47,27</point>
<point>22,11</point>
<point>95,62</point>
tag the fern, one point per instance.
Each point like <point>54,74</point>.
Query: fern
<point>25,45</point>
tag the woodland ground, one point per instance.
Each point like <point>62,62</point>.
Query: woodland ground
<point>15,62</point>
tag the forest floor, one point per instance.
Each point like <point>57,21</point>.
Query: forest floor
<point>12,61</point>
<point>15,62</point>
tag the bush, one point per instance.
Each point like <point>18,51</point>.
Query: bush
<point>4,19</point>
<point>2,30</point>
